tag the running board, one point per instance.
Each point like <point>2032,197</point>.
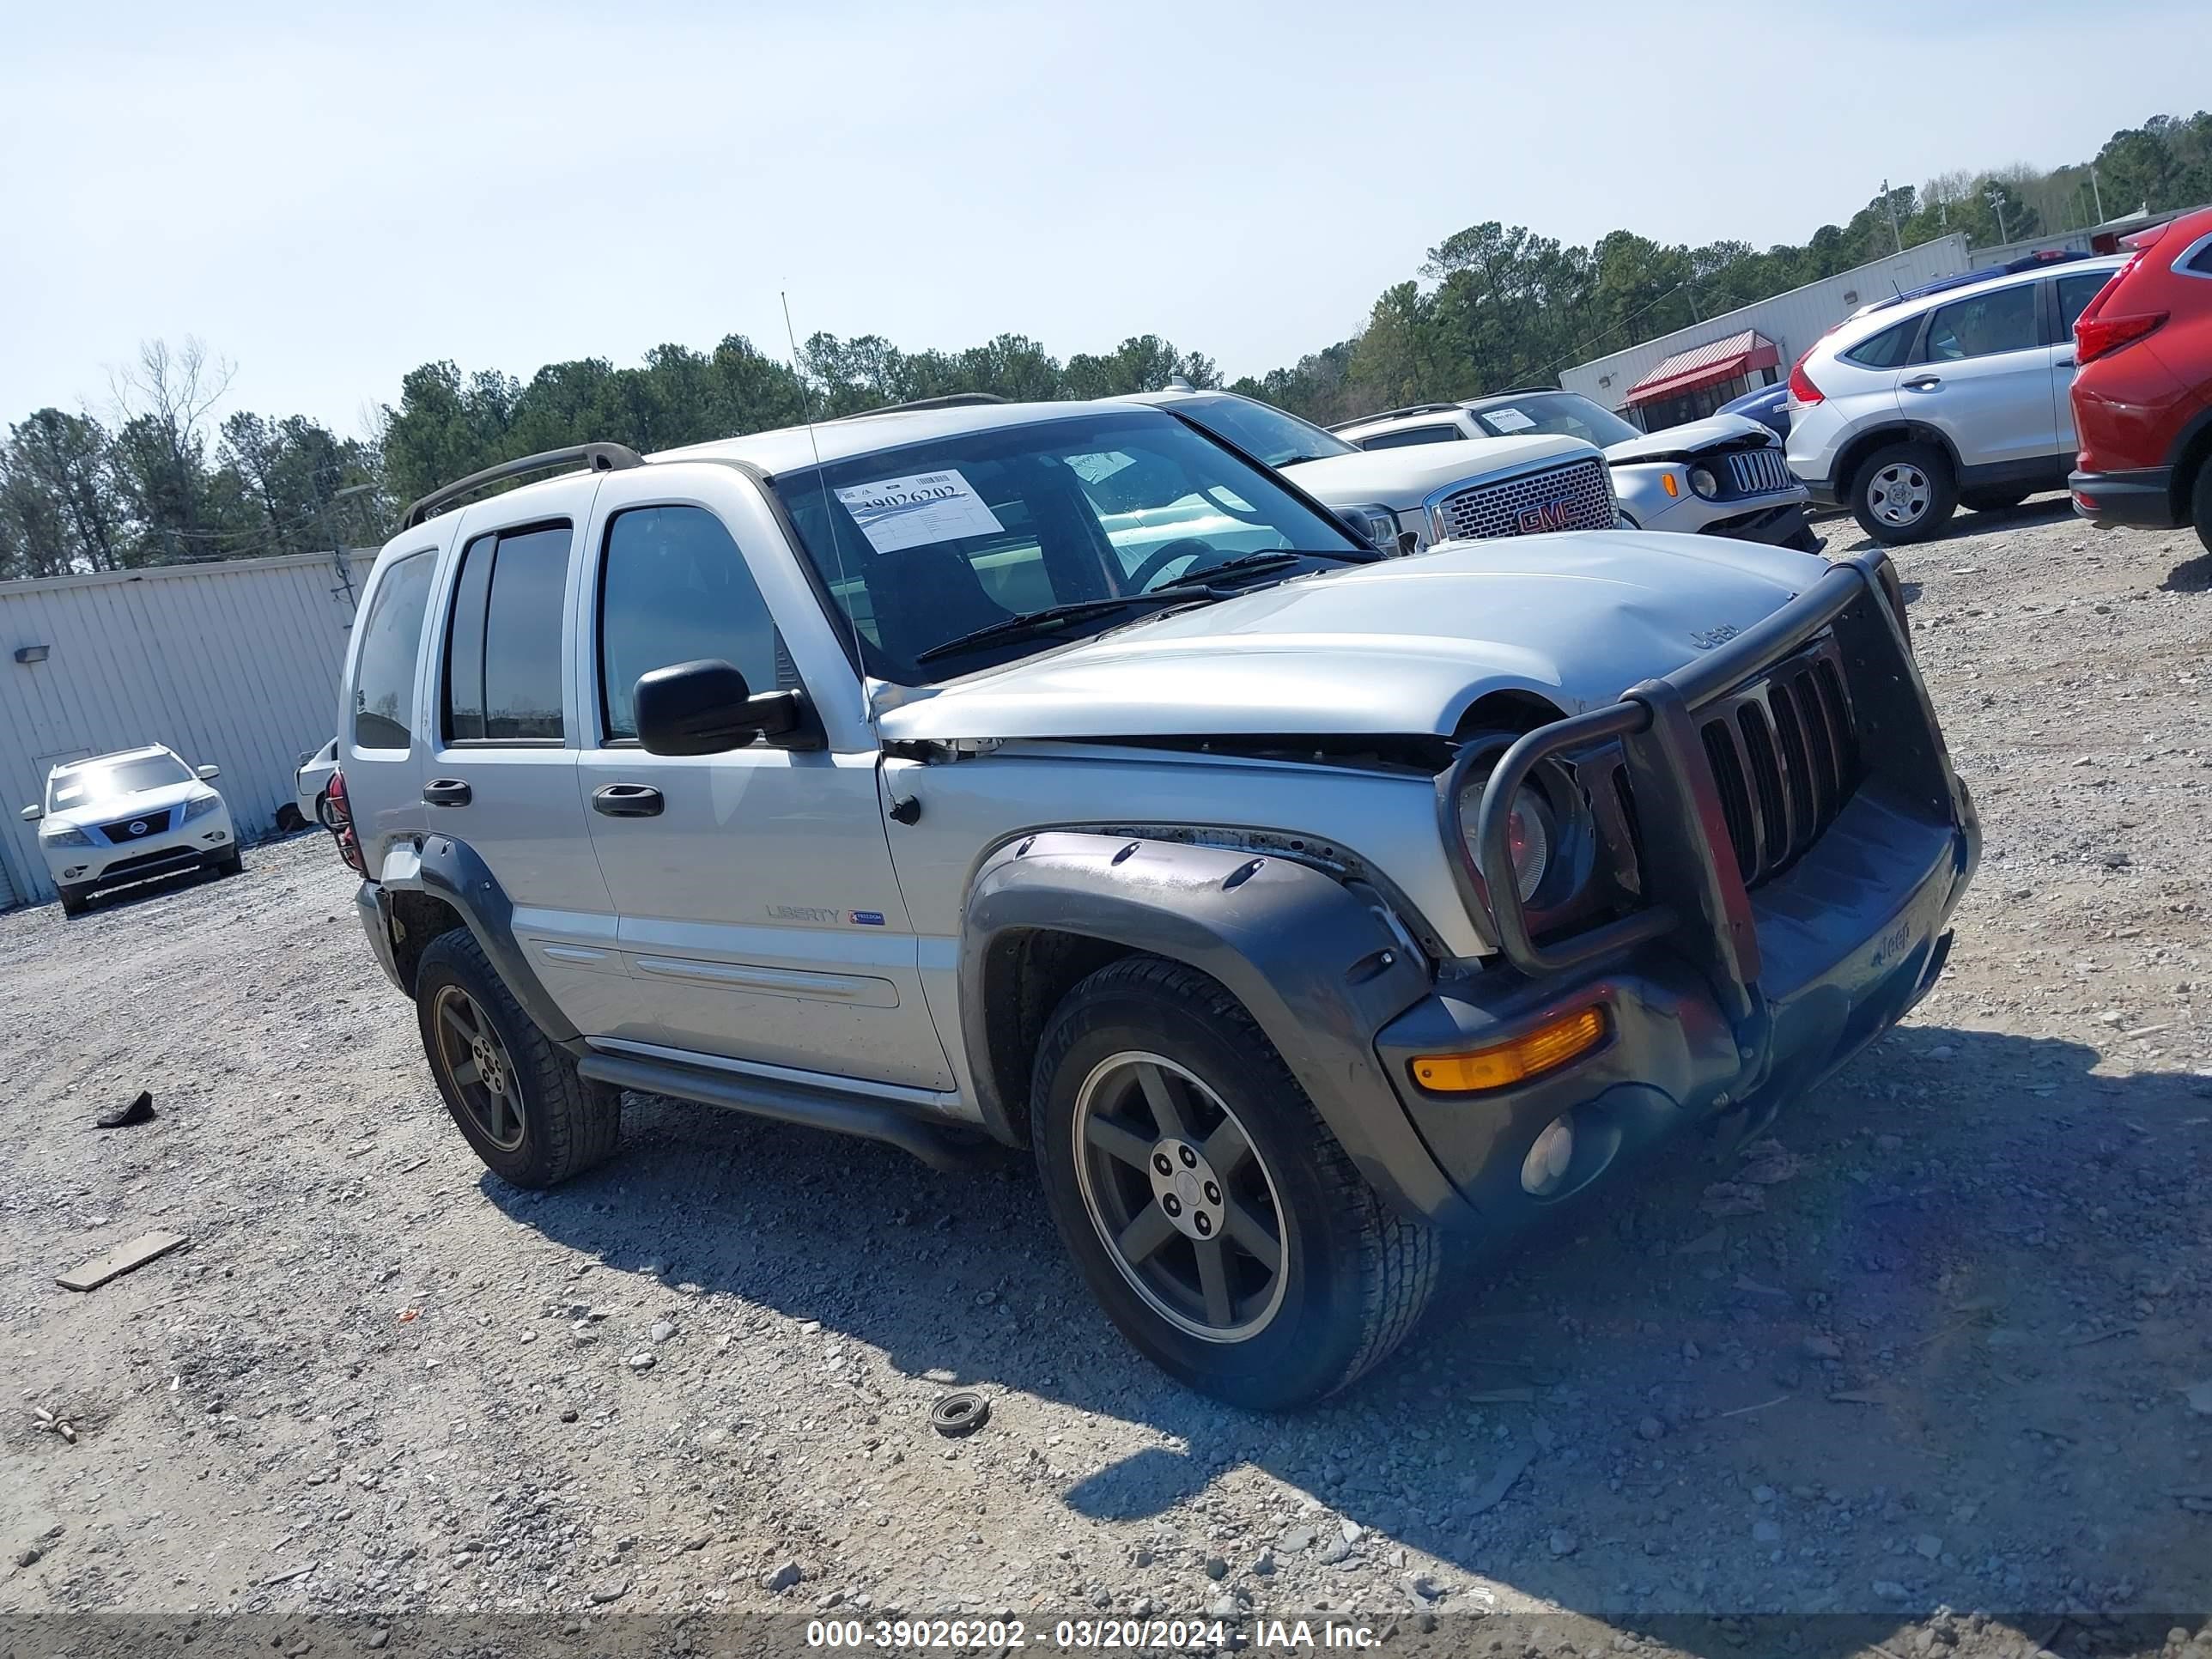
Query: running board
<point>787,1103</point>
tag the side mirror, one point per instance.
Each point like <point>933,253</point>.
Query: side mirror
<point>32,814</point>
<point>207,772</point>
<point>707,709</point>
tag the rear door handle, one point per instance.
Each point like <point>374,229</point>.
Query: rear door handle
<point>446,791</point>
<point>1925,383</point>
<point>628,801</point>
<point>2067,361</point>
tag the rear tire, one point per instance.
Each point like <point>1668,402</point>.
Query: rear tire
<point>1904,493</point>
<point>76,901</point>
<point>513,1094</point>
<point>2200,502</point>
<point>1266,1179</point>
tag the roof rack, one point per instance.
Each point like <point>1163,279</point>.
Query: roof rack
<point>597,458</point>
<point>1514,391</point>
<point>950,400</point>
<point>1393,414</point>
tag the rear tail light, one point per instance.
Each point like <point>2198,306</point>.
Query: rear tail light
<point>1801,389</point>
<point>2100,337</point>
<point>341,825</point>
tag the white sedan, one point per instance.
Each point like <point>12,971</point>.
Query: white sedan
<point>312,783</point>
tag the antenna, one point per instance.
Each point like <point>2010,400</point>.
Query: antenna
<point>829,514</point>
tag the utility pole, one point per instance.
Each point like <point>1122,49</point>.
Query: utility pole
<point>1890,201</point>
<point>1995,197</point>
<point>2096,194</point>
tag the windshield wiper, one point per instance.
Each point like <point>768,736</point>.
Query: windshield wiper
<point>1276,559</point>
<point>1053,616</point>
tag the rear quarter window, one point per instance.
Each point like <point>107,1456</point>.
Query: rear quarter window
<point>1886,350</point>
<point>391,640</point>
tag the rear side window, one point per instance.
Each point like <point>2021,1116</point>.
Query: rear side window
<point>1886,350</point>
<point>674,588</point>
<point>384,675</point>
<point>2200,261</point>
<point>1410,436</point>
<point>503,649</point>
<point>2002,320</point>
<point>2076,292</point>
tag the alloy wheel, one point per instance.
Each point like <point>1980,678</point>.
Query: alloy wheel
<point>1180,1196</point>
<point>476,1064</point>
<point>1899,495</point>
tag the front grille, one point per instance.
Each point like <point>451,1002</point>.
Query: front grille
<point>1576,496</point>
<point>124,831</point>
<point>145,863</point>
<point>1784,759</point>
<point>1758,471</point>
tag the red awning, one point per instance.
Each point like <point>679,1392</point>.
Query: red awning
<point>1707,365</point>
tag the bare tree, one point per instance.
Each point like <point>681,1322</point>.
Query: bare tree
<point>162,405</point>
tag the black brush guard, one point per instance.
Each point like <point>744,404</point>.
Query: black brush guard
<point>1696,898</point>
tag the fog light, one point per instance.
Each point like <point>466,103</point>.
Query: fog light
<point>1546,1166</point>
<point>1546,1048</point>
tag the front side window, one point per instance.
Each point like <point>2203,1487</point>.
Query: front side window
<point>1888,350</point>
<point>1559,414</point>
<point>2002,320</point>
<point>102,781</point>
<point>674,588</point>
<point>503,649</point>
<point>391,640</point>
<point>1072,521</point>
<point>1406,437</point>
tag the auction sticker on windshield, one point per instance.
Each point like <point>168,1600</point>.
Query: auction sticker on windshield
<point>897,513</point>
<point>1508,420</point>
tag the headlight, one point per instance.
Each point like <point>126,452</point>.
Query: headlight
<point>200,805</point>
<point>1380,523</point>
<point>65,837</point>
<point>1528,834</point>
<point>1702,481</point>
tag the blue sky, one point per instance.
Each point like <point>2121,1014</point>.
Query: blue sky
<point>329,198</point>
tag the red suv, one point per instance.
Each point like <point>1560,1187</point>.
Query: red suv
<point>2142,390</point>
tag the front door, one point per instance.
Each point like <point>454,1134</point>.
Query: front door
<point>759,917</point>
<point>1983,378</point>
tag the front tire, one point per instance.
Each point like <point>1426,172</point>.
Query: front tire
<point>76,901</point>
<point>514,1095</point>
<point>234,864</point>
<point>1209,1208</point>
<point>1904,493</point>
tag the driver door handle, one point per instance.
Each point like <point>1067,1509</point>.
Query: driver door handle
<point>628,801</point>
<point>2067,361</point>
<point>446,791</point>
<point>1925,383</point>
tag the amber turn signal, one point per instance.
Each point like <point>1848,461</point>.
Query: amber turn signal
<point>1546,1048</point>
<point>1667,483</point>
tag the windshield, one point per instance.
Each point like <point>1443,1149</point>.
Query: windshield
<point>925,544</point>
<point>97,780</point>
<point>1262,431</point>
<point>1567,414</point>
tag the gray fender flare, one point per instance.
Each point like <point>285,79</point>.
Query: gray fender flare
<point>451,870</point>
<point>1316,966</point>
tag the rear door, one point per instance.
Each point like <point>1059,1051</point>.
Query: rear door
<point>760,918</point>
<point>501,775</point>
<point>2070,295</point>
<point>1982,376</point>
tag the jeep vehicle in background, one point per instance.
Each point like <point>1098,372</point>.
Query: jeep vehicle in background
<point>1955,395</point>
<point>1722,476</point>
<point>1475,488</point>
<point>1053,775</point>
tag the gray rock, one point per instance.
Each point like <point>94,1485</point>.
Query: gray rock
<point>1823,1347</point>
<point>1564,1542</point>
<point>662,1330</point>
<point>1929,1545</point>
<point>1142,1607</point>
<point>1298,1540</point>
<point>1765,1532</point>
<point>641,1362</point>
<point>1223,1607</point>
<point>1425,1587</point>
<point>1216,1567</point>
<point>27,1556</point>
<point>613,1590</point>
<point>1889,1589</point>
<point>375,1639</point>
<point>1351,1530</point>
<point>1652,1428</point>
<point>1338,1550</point>
<point>1101,1597</point>
<point>1264,1563</point>
<point>777,1580</point>
<point>1762,1494</point>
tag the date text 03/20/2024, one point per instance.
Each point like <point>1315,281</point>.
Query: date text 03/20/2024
<point>1158,1635</point>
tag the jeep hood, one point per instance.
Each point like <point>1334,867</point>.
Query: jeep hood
<point>1401,646</point>
<point>1400,479</point>
<point>1674,443</point>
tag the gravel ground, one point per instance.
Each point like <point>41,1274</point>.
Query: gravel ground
<point>1930,1349</point>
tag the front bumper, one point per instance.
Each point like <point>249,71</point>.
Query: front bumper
<point>191,845</point>
<point>1783,524</point>
<point>1718,998</point>
<point>2141,497</point>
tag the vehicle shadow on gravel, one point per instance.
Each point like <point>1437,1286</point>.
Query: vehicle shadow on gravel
<point>1845,536</point>
<point>2190,576</point>
<point>1922,1351</point>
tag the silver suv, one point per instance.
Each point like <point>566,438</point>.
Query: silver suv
<point>1053,775</point>
<point>1953,395</point>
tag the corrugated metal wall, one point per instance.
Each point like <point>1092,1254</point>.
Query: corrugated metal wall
<point>232,664</point>
<point>1792,320</point>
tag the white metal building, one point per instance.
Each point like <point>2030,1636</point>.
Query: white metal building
<point>233,665</point>
<point>1783,327</point>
